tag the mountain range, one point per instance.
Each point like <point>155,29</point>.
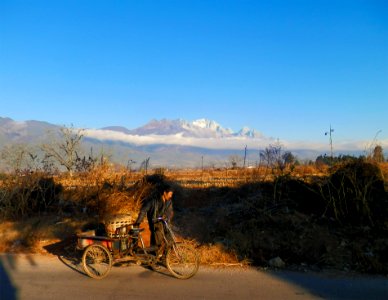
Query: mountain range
<point>201,128</point>
<point>168,143</point>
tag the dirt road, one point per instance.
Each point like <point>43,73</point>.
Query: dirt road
<point>47,277</point>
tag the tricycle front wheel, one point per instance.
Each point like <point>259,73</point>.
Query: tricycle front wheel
<point>182,260</point>
<point>96,261</point>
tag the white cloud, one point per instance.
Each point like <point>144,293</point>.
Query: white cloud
<point>229,142</point>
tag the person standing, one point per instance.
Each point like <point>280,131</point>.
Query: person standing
<point>159,204</point>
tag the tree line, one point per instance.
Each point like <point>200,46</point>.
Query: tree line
<point>65,153</point>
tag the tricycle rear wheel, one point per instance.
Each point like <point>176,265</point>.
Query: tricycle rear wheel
<point>96,261</point>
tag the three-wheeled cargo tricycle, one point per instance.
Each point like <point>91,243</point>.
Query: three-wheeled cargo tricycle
<point>125,244</point>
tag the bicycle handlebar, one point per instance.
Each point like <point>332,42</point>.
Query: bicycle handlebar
<point>159,219</point>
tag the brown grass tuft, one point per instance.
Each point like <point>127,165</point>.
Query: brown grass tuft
<point>216,254</point>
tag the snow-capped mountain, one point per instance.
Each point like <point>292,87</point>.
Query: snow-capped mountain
<point>211,126</point>
<point>201,128</point>
<point>173,143</point>
<point>168,142</point>
<point>252,133</point>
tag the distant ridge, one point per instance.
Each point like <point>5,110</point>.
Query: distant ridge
<point>201,128</point>
<point>172,143</point>
<point>177,143</point>
<point>24,131</point>
<point>118,129</point>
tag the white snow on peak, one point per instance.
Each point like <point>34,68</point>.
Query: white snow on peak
<point>200,128</point>
<point>212,125</point>
<point>245,130</point>
<point>204,123</point>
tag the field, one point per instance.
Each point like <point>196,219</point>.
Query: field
<point>308,217</point>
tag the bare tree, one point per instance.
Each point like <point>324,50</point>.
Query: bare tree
<point>20,158</point>
<point>129,164</point>
<point>378,154</point>
<point>85,164</point>
<point>276,158</point>
<point>64,149</point>
<point>144,165</point>
<point>234,160</point>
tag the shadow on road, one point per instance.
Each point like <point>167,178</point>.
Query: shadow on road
<point>7,289</point>
<point>8,264</point>
<point>67,254</point>
<point>336,285</point>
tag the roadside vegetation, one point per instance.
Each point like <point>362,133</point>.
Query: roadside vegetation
<point>331,213</point>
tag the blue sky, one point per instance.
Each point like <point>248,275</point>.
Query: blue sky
<point>288,69</point>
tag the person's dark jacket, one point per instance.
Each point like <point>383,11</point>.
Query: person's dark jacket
<point>155,207</point>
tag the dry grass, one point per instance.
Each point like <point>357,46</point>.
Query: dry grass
<point>106,191</point>
<point>384,170</point>
<point>235,177</point>
<point>216,255</point>
<point>33,234</point>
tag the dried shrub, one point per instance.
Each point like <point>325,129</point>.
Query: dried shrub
<point>22,196</point>
<point>235,217</point>
<point>216,254</point>
<point>355,193</point>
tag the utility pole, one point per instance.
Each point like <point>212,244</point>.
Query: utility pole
<point>245,155</point>
<point>331,142</point>
<point>202,170</point>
